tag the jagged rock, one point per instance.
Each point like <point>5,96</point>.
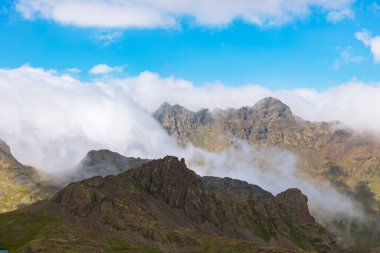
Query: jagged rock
<point>269,121</point>
<point>230,189</point>
<point>165,190</point>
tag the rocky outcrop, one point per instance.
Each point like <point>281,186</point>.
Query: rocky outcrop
<point>233,189</point>
<point>163,197</point>
<point>182,123</point>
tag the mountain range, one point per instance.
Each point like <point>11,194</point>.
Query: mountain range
<point>113,203</point>
<point>327,151</point>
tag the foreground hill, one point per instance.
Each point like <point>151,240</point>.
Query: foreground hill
<point>20,184</point>
<point>161,207</point>
<point>327,151</point>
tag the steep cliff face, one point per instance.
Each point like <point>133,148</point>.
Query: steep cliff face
<point>20,185</point>
<point>167,207</point>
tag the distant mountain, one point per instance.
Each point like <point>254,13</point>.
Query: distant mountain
<point>165,207</point>
<point>20,185</point>
<point>327,151</point>
<point>269,121</point>
<point>101,163</point>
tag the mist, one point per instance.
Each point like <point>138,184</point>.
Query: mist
<point>274,170</point>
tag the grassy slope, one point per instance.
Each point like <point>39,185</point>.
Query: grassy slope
<point>21,229</point>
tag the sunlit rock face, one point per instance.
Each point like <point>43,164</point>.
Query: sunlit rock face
<point>20,185</point>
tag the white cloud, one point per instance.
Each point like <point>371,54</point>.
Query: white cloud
<point>346,57</point>
<point>73,70</point>
<point>167,13</point>
<point>102,69</point>
<point>339,15</point>
<point>51,121</point>
<point>108,37</point>
<point>373,42</point>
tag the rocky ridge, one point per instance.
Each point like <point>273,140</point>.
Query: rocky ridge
<point>167,207</point>
<point>327,151</point>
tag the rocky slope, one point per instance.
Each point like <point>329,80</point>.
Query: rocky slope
<point>327,151</point>
<point>101,163</point>
<point>20,184</point>
<point>165,207</point>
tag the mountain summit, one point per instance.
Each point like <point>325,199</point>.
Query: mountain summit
<point>272,107</point>
<point>100,163</point>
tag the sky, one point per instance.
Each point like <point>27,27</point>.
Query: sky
<point>278,44</point>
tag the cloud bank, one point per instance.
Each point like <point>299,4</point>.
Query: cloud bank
<point>51,120</point>
<point>354,103</point>
<point>274,170</point>
<point>166,13</point>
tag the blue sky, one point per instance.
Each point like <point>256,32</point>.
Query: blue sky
<point>307,50</point>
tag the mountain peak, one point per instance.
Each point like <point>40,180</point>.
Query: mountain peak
<point>101,162</point>
<point>103,155</point>
<point>273,105</point>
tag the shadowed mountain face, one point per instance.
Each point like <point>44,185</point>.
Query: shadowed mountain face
<point>20,185</point>
<point>101,163</point>
<point>163,206</point>
<point>327,151</point>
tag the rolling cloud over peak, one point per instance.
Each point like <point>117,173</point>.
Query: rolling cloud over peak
<point>47,115</point>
